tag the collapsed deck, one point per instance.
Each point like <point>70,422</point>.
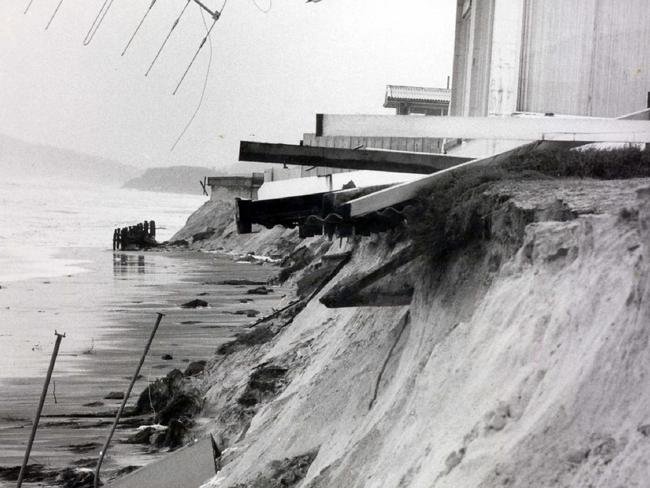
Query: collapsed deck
<point>377,208</point>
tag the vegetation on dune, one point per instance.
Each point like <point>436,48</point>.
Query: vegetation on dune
<point>611,164</point>
<point>457,212</point>
<point>452,215</point>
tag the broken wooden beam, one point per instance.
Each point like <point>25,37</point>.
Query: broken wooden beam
<point>380,286</point>
<point>520,128</point>
<point>358,159</point>
<point>398,194</point>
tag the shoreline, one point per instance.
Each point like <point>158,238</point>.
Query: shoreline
<point>142,284</point>
<point>40,263</point>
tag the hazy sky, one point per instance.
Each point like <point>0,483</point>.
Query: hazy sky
<point>270,72</point>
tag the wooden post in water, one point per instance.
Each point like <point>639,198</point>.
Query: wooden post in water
<point>102,454</point>
<point>39,409</point>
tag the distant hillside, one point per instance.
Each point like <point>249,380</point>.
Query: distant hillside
<point>173,179</point>
<point>20,159</point>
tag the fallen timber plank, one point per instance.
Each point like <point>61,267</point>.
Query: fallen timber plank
<point>407,191</point>
<point>522,128</point>
<point>366,288</point>
<point>362,159</point>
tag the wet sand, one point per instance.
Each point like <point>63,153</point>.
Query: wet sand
<point>107,314</point>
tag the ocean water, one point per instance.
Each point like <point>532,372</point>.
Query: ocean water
<point>57,267</point>
<point>41,221</point>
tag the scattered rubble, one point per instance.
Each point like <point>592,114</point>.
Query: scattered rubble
<point>195,368</point>
<point>197,303</point>
<point>261,290</point>
<point>241,283</point>
<point>115,395</point>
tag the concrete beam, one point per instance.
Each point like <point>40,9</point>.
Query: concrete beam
<point>522,128</point>
<point>376,160</point>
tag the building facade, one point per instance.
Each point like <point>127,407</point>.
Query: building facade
<point>575,57</point>
<point>407,100</point>
<point>224,188</point>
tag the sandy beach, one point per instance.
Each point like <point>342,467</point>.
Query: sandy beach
<point>107,313</point>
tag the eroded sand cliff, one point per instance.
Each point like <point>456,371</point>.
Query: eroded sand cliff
<point>521,360</point>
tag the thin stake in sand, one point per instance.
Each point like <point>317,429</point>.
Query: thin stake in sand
<point>102,454</point>
<point>39,409</point>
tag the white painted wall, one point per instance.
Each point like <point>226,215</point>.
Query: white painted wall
<point>505,57</point>
<point>523,127</point>
<point>586,57</point>
<point>319,184</point>
<point>579,57</point>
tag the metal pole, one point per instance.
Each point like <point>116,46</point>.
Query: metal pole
<point>56,11</point>
<point>39,410</point>
<point>215,15</point>
<point>207,36</point>
<point>28,6</point>
<point>137,29</point>
<point>167,38</point>
<point>126,398</point>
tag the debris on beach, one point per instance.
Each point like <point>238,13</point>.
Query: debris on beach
<point>115,395</point>
<point>144,433</point>
<point>261,290</point>
<point>174,401</point>
<point>257,259</point>
<point>94,404</point>
<point>34,473</point>
<point>195,368</point>
<point>85,447</point>
<point>197,303</point>
<point>241,283</point>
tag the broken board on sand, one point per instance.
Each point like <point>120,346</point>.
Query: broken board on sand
<point>189,467</point>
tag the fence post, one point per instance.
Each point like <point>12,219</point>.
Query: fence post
<point>102,454</point>
<point>39,409</point>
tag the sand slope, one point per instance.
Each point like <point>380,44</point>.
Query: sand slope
<point>526,368</point>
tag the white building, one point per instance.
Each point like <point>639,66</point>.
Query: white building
<point>578,57</point>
